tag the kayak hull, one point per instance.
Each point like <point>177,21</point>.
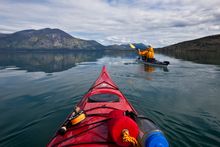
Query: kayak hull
<point>157,64</point>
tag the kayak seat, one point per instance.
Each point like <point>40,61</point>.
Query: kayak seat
<point>103,98</point>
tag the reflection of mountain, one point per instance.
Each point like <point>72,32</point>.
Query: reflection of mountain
<point>121,53</point>
<point>203,57</point>
<point>47,62</point>
<point>54,61</point>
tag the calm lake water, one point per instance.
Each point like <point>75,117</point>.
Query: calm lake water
<point>38,91</point>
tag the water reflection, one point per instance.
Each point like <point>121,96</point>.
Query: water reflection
<point>150,69</point>
<point>184,101</point>
<point>203,57</point>
<point>44,61</point>
<point>53,61</point>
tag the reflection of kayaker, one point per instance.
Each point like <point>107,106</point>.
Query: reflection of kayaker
<point>105,118</point>
<point>149,68</point>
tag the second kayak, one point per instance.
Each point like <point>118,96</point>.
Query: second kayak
<point>154,63</point>
<point>105,118</point>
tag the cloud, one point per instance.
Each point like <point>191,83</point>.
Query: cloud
<point>156,22</point>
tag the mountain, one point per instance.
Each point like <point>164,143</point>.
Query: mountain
<point>48,39</point>
<point>209,43</point>
<point>204,50</point>
<point>3,35</point>
<point>45,39</point>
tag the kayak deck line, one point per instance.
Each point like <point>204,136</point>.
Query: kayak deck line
<point>108,115</point>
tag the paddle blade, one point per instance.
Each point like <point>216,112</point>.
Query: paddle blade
<point>132,46</point>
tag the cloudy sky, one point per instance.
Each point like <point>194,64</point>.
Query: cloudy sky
<point>156,22</point>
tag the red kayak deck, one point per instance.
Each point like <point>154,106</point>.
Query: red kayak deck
<point>93,131</point>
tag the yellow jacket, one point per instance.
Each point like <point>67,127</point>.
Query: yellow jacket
<point>143,53</point>
<point>149,53</point>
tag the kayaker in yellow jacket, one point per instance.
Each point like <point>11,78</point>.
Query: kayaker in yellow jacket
<point>147,54</point>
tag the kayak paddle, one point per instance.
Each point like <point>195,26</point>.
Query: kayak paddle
<point>132,46</point>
